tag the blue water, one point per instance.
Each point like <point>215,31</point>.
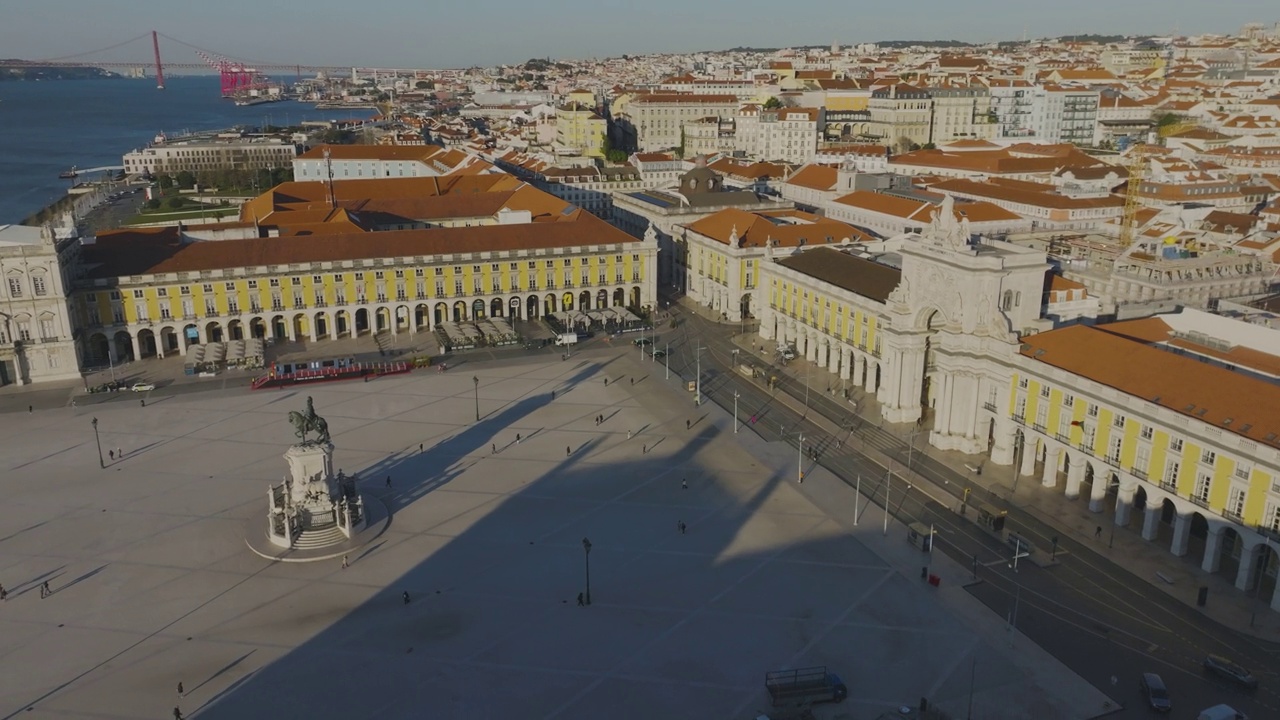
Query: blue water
<point>46,127</point>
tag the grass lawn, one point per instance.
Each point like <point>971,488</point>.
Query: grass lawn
<point>209,211</point>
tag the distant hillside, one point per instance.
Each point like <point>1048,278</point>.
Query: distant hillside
<point>923,43</point>
<point>46,72</point>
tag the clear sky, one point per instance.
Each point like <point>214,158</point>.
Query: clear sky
<point>456,33</point>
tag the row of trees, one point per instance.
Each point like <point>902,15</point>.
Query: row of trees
<point>244,180</point>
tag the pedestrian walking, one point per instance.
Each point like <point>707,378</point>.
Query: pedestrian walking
<point>553,394</point>
<point>1097,533</point>
<point>405,595</point>
<point>628,434</point>
<point>144,404</point>
<point>419,447</point>
<point>580,601</point>
<point>388,481</point>
<point>44,590</point>
<point>119,453</point>
<point>181,692</point>
<point>680,526</point>
<point>517,438</point>
<point>345,564</point>
<point>493,448</point>
<point>73,404</point>
<point>567,451</point>
<point>111,454</point>
<point>684,484</point>
<point>4,594</point>
<point>644,449</point>
<point>633,381</point>
<point>177,713</point>
<point>606,382</point>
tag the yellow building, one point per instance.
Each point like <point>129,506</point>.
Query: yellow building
<point>392,255</point>
<point>580,129</point>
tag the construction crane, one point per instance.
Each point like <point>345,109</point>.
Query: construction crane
<point>1139,154</point>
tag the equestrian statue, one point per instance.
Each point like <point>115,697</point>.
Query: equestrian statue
<point>307,422</point>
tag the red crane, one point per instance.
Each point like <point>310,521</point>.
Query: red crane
<point>155,45</point>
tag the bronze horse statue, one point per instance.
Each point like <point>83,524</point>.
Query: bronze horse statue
<point>309,421</point>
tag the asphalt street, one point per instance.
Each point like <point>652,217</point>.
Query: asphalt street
<point>1094,616</point>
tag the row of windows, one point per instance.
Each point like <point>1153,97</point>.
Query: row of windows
<point>39,286</point>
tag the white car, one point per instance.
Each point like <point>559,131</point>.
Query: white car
<point>143,387</point>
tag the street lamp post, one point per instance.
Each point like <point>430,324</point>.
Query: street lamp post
<point>586,549</point>
<point>697,394</point>
<point>666,359</point>
<point>800,458</point>
<point>1019,450</point>
<point>476,381</point>
<point>735,412</point>
<point>96,439</point>
<point>888,480</point>
<point>1111,538</point>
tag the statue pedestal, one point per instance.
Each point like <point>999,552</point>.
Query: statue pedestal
<point>311,473</point>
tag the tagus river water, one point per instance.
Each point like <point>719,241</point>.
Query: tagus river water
<point>46,127</point>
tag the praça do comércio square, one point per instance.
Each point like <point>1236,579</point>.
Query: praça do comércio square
<point>153,582</point>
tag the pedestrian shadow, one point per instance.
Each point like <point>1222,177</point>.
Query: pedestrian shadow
<point>82,578</point>
<point>230,689</point>
<point>611,415</point>
<point>224,669</point>
<point>656,444</point>
<point>699,419</point>
<point>369,550</point>
<point>33,582</point>
<point>646,427</point>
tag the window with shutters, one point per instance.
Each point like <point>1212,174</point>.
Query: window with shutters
<point>1204,481</point>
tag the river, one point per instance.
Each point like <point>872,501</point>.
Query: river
<point>46,127</point>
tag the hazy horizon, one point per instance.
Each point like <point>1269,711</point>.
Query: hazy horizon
<point>399,33</point>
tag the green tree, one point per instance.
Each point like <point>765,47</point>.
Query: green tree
<point>186,180</point>
<point>616,156</point>
<point>1169,119</point>
<point>176,202</point>
<point>929,146</point>
<point>153,204</point>
<point>166,182</point>
<point>425,85</point>
<point>772,103</point>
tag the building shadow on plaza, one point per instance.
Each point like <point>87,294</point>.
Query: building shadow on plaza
<point>679,625</point>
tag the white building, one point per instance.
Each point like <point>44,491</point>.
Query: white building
<point>370,162</point>
<point>660,118</point>
<point>36,332</point>
<point>171,158</point>
<point>1064,115</point>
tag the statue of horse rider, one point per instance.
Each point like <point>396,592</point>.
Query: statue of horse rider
<point>309,421</point>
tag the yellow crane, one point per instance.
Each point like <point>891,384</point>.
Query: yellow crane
<point>1138,164</point>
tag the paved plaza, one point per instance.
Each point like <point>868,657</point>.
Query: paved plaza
<point>152,583</point>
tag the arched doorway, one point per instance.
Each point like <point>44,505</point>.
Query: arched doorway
<point>459,312</point>
<point>321,325</point>
<point>549,304</point>
<point>635,297</point>
<point>235,330</point>
<point>1231,551</point>
<point>1086,485</point>
<point>495,307</point>
<point>1264,572</point>
<point>341,323</point>
<point>99,349</point>
<point>1197,538</point>
<point>421,316</point>
<point>362,321</point>
<point>300,329</point>
<point>258,328</point>
<point>477,310</point>
<point>602,299</point>
<point>584,300</point>
<point>619,297</point>
<point>531,307</point>
<point>190,335</point>
<point>931,324</point>
<point>213,332</point>
<point>441,314</point>
<point>515,304</point>
<point>566,302</point>
<point>1168,516</point>
<point>744,305</point>
<point>147,342</point>
<point>279,328</point>
<point>381,319</point>
<point>124,346</point>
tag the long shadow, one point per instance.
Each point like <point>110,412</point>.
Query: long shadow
<point>81,579</point>
<point>35,581</point>
<point>488,602</point>
<point>222,670</point>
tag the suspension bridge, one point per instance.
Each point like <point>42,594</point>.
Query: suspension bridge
<point>237,76</point>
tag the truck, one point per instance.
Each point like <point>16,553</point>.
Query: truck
<point>566,339</point>
<point>804,685</point>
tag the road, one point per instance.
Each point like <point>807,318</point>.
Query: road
<point>1089,613</point>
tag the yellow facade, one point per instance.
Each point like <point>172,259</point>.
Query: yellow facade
<point>1120,440</point>
<point>832,315</point>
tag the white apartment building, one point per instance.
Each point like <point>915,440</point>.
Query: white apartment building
<point>1011,106</point>
<point>962,113</point>
<point>36,331</point>
<point>369,162</point>
<point>171,158</point>
<point>660,118</point>
<point>789,135</point>
<point>1064,115</point>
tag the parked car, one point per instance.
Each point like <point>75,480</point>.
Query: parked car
<point>659,354</point>
<point>1155,692</point>
<point>1228,670</point>
<point>142,386</point>
<point>641,342</point>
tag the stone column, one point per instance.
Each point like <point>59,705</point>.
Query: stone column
<point>811,347</point>
<point>942,406</point>
<point>1124,503</point>
<point>1002,447</point>
<point>1181,532</point>
<point>846,362</point>
<point>1099,492</point>
<point>1275,601</point>
<point>833,358</point>
<point>137,349</point>
<point>1075,478</point>
<point>1212,556</point>
<point>859,366</point>
<point>1245,572</point>
<point>1049,478</point>
<point>1028,460</point>
<point>873,366</point>
<point>311,327</point>
<point>1151,522</point>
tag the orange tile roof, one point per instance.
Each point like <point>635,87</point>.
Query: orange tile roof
<point>815,177</point>
<point>1196,389</point>
<point>755,229</point>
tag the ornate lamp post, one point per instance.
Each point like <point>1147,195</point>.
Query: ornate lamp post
<point>586,549</point>
<point>98,440</point>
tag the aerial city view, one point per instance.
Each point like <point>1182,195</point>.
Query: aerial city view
<point>752,363</point>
